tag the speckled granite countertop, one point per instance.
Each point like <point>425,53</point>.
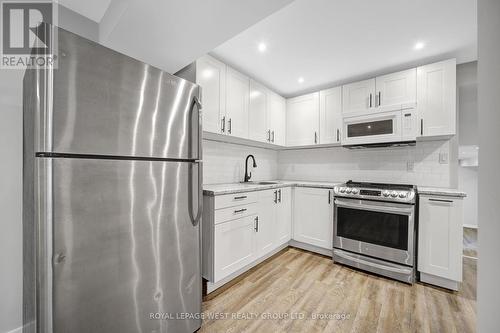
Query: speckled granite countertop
<point>219,189</point>
<point>442,191</point>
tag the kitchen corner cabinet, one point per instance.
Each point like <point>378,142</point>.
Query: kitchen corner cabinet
<point>330,111</point>
<point>237,98</point>
<point>257,112</point>
<point>302,120</point>
<point>440,240</point>
<point>436,98</point>
<point>313,217</point>
<point>211,76</point>
<point>276,119</point>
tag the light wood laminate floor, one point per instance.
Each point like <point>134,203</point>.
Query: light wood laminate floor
<point>303,285</point>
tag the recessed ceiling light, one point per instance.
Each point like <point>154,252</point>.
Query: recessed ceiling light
<point>419,45</point>
<point>262,47</point>
<point>301,80</point>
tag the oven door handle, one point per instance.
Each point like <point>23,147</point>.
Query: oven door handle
<point>373,208</point>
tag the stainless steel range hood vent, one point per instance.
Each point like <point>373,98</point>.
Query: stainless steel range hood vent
<point>382,145</point>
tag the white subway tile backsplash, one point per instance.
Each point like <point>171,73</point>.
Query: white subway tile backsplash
<point>377,165</point>
<point>225,162</point>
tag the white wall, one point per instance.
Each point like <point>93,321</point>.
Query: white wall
<point>468,136</point>
<point>489,165</point>
<point>11,179</point>
<point>375,165</point>
<point>225,163</point>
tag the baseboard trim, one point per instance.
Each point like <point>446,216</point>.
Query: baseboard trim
<point>439,281</point>
<point>312,248</point>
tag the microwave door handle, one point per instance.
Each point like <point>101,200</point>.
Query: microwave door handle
<point>390,210</point>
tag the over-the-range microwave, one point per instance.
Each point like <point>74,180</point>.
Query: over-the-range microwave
<point>378,128</point>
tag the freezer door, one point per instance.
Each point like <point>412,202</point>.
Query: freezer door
<point>126,246</point>
<point>101,102</point>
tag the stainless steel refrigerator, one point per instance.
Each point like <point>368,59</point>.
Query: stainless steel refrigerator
<point>112,195</point>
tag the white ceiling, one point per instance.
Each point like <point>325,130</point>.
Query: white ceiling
<point>171,34</point>
<point>92,9</point>
<point>333,41</point>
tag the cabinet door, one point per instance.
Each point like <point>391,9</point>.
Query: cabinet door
<point>358,96</point>
<point>436,98</point>
<point>302,120</point>
<point>276,115</point>
<point>266,222</point>
<point>440,237</point>
<point>330,110</point>
<point>396,89</point>
<point>237,103</point>
<point>211,76</point>
<point>313,217</point>
<point>234,246</point>
<point>257,113</point>
<point>283,231</point>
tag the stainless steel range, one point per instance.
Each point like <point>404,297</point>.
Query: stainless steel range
<point>375,228</point>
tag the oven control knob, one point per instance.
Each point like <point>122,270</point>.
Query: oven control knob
<point>402,195</point>
<point>342,189</point>
<point>385,193</point>
<point>355,191</point>
<point>348,191</point>
<point>394,194</point>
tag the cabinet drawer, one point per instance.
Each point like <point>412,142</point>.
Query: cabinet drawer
<point>237,199</point>
<point>236,212</point>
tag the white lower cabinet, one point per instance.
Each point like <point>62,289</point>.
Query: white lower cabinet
<point>440,240</point>
<point>283,229</point>
<point>234,246</point>
<point>313,217</point>
<point>266,221</point>
<point>240,230</point>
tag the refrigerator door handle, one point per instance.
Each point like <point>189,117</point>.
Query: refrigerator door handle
<point>195,216</point>
<point>197,103</point>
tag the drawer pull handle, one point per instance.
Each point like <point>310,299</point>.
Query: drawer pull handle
<point>239,198</point>
<point>441,200</point>
<point>240,210</point>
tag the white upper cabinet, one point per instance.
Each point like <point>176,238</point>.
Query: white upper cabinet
<point>396,89</point>
<point>276,119</point>
<point>211,76</point>
<point>330,111</point>
<point>257,112</point>
<point>358,97</point>
<point>313,217</point>
<point>436,98</point>
<point>237,97</point>
<point>302,120</point>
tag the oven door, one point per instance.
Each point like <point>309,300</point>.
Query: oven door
<point>373,128</point>
<point>383,230</point>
